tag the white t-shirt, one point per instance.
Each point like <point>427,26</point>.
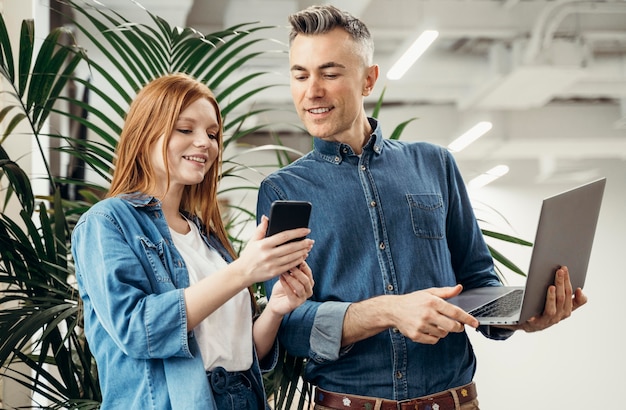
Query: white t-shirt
<point>225,336</point>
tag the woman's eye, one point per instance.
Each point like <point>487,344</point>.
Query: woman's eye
<point>212,136</point>
<point>183,131</point>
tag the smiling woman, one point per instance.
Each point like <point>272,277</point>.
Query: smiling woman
<point>164,297</point>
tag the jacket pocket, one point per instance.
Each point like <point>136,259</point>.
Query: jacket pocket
<point>427,215</point>
<point>156,258</point>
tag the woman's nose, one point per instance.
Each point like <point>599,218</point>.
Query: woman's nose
<point>202,140</point>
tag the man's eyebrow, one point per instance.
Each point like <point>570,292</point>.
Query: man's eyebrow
<point>330,64</point>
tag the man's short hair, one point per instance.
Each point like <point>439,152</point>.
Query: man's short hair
<point>322,19</point>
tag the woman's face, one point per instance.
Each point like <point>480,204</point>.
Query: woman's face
<point>192,149</point>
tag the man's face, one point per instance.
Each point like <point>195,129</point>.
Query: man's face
<point>328,82</point>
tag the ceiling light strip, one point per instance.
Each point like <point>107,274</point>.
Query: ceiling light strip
<point>411,55</point>
<point>470,136</point>
<point>488,177</point>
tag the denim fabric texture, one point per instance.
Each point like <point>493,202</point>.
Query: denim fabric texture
<point>131,280</point>
<point>391,221</point>
<point>236,390</point>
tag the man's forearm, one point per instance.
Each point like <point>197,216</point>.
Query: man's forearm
<point>365,319</point>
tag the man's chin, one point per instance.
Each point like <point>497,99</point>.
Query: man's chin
<point>318,131</point>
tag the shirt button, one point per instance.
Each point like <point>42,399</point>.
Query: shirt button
<point>399,375</point>
<point>337,159</point>
<point>381,246</point>
<point>373,204</point>
<point>395,330</point>
<point>344,150</point>
<point>362,167</point>
<point>390,287</point>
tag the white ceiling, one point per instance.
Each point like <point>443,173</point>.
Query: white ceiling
<point>550,75</point>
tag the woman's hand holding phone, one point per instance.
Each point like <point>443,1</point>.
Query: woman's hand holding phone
<point>266,257</point>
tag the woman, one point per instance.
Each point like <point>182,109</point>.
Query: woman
<point>168,308</point>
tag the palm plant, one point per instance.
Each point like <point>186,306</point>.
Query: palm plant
<point>40,320</point>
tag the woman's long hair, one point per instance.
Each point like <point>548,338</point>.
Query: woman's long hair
<point>152,114</point>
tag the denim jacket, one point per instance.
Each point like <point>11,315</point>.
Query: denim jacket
<point>131,280</point>
<point>391,221</point>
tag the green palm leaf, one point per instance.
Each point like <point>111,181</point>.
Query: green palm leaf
<point>19,182</point>
<point>27,39</point>
<point>7,64</point>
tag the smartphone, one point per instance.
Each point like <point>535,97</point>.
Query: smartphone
<point>285,215</point>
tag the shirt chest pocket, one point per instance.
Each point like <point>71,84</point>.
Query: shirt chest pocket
<point>427,215</point>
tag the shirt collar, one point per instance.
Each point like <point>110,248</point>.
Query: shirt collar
<point>334,152</point>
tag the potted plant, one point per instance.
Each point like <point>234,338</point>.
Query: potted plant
<point>40,321</point>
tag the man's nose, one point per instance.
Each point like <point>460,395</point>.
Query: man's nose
<point>314,88</point>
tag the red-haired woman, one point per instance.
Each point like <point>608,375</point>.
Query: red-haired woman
<point>168,308</point>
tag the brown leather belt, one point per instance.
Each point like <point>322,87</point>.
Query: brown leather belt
<point>446,400</point>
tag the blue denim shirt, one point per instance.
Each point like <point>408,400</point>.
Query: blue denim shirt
<point>131,280</point>
<point>392,221</point>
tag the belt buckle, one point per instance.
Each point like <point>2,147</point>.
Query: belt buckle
<point>419,404</point>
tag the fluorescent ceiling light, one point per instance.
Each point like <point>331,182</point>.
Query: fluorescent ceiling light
<point>488,177</point>
<point>411,55</point>
<point>470,136</point>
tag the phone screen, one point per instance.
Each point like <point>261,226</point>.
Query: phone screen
<point>285,215</point>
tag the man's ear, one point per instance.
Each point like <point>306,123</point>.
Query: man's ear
<point>370,79</point>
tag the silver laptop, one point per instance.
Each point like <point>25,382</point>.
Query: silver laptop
<point>567,225</point>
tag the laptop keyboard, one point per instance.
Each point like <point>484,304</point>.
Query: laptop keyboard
<point>501,307</point>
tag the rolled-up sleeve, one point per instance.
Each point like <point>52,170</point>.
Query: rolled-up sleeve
<point>327,331</point>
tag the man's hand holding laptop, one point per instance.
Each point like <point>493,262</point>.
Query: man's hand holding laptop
<point>561,301</point>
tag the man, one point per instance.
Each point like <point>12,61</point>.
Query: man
<point>395,236</point>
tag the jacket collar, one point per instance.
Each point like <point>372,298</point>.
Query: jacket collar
<point>139,199</point>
